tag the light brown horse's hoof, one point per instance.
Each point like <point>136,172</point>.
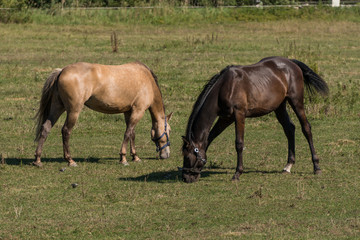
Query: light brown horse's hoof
<point>125,163</point>
<point>137,160</point>
<point>37,164</point>
<point>285,172</point>
<point>72,164</point>
<point>317,172</point>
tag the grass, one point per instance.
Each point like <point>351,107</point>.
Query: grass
<point>148,200</point>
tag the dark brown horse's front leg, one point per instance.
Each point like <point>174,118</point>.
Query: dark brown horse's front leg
<point>219,127</point>
<point>239,143</point>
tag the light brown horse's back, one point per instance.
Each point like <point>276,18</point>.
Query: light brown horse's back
<point>106,88</point>
<point>130,89</point>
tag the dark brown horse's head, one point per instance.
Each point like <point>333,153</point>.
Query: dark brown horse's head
<point>194,161</point>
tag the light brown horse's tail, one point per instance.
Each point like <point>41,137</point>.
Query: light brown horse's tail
<point>312,80</point>
<point>45,102</point>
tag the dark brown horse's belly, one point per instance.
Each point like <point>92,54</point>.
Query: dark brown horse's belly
<point>257,112</point>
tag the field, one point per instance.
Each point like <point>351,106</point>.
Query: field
<point>148,200</point>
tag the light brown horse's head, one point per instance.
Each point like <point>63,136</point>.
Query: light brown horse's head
<point>162,142</point>
<point>194,161</point>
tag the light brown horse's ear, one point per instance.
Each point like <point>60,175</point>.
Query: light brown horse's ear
<point>185,140</point>
<point>168,117</point>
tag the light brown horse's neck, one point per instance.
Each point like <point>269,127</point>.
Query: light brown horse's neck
<point>157,112</point>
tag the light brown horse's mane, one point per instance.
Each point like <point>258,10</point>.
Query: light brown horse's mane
<point>155,79</point>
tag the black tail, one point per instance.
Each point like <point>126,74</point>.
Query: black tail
<point>312,80</point>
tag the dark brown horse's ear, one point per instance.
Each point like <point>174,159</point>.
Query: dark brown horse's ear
<point>168,117</point>
<point>185,140</point>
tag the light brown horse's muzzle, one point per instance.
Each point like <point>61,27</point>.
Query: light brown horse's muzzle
<point>164,154</point>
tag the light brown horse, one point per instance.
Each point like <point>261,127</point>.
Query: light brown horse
<point>130,89</point>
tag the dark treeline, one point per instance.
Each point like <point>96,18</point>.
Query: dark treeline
<point>145,3</point>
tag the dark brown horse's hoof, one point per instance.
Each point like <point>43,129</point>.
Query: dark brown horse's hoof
<point>285,172</point>
<point>317,172</point>
<point>37,164</point>
<point>235,179</point>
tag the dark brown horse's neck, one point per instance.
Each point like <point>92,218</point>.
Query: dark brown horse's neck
<point>204,121</point>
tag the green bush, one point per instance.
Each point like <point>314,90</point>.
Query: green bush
<point>17,12</point>
<point>16,4</point>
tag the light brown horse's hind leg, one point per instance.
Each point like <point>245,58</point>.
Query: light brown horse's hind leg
<point>131,119</point>
<point>55,112</point>
<point>70,121</point>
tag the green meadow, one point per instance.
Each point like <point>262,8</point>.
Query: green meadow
<point>148,200</point>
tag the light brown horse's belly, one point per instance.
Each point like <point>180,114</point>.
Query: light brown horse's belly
<point>107,107</point>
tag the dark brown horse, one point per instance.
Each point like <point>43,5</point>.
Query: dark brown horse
<point>238,92</point>
<point>130,89</point>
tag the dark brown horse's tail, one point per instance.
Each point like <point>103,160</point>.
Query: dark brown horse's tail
<point>45,102</point>
<point>312,80</point>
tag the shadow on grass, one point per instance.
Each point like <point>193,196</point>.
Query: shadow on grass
<point>172,175</point>
<point>28,161</point>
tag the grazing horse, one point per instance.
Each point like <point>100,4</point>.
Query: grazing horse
<point>130,89</point>
<point>238,92</point>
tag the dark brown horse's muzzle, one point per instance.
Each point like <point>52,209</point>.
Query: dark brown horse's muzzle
<point>190,177</point>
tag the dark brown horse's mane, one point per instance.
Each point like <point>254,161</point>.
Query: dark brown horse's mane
<point>201,99</point>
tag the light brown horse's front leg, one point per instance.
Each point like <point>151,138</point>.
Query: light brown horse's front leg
<point>239,143</point>
<point>131,119</point>
<point>123,148</point>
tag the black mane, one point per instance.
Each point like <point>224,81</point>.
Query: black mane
<point>201,99</point>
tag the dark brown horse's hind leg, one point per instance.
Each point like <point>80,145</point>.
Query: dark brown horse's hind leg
<point>306,129</point>
<point>239,142</point>
<point>289,129</point>
<point>66,131</point>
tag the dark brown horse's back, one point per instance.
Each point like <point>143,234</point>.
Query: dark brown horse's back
<point>259,88</point>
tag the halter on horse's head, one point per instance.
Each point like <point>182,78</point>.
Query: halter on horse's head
<point>195,160</point>
<point>162,144</point>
